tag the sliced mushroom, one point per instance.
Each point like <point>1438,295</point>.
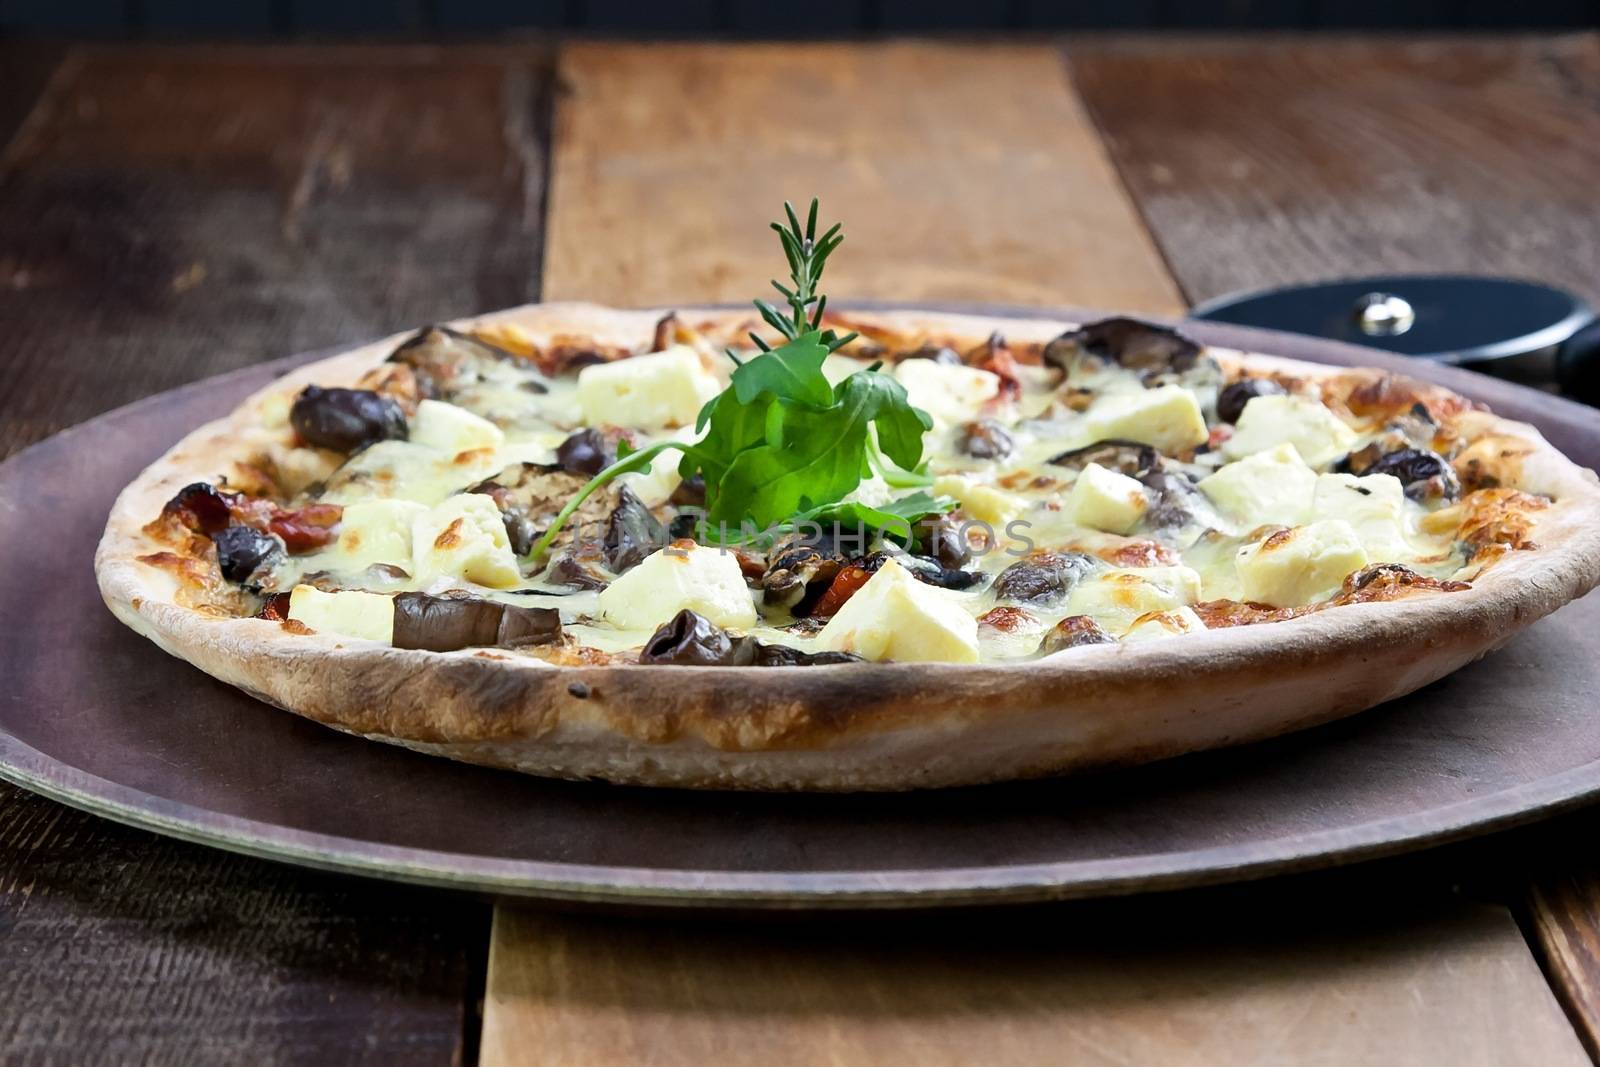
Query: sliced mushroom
<point>444,624</point>
<point>1178,503</point>
<point>985,439</point>
<point>1073,631</point>
<point>1425,474</point>
<point>1124,457</point>
<point>571,572</point>
<point>937,353</point>
<point>447,361</point>
<point>1143,347</point>
<point>1044,579</point>
<point>798,572</point>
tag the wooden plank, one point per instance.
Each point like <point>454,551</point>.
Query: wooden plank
<point>25,69</point>
<point>1171,982</point>
<point>171,213</point>
<point>906,135</point>
<point>1562,915</point>
<point>117,946</point>
<point>961,172</point>
<point>175,213</point>
<point>1261,162</point>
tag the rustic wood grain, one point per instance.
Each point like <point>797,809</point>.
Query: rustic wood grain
<point>1171,982</point>
<point>117,946</point>
<point>959,177</point>
<point>171,213</point>
<point>174,213</point>
<point>1265,161</point>
<point>1562,916</point>
<point>962,172</point>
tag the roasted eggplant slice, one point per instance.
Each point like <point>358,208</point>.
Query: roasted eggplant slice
<point>444,624</point>
<point>692,640</point>
<point>1124,457</point>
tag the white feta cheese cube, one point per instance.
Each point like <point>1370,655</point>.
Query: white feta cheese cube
<point>1375,505</point>
<point>985,503</point>
<point>1116,598</point>
<point>951,393</point>
<point>705,580</point>
<point>1291,568</point>
<point>377,531</point>
<point>895,617</point>
<point>655,392</point>
<point>452,429</point>
<point>464,536</point>
<point>1158,624</point>
<point>1103,499</point>
<point>1272,486</point>
<point>348,612</point>
<point>1269,421</point>
<point>1166,418</point>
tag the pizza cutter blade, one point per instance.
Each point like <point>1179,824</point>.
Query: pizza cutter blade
<point>1516,329</point>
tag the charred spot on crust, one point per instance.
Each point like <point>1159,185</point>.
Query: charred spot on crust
<point>346,420</point>
<point>445,624</point>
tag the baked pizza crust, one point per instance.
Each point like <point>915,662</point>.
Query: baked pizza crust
<point>852,726</point>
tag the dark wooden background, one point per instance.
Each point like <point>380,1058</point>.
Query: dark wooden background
<point>282,17</point>
<point>167,213</point>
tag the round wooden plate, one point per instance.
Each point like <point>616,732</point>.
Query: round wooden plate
<point>99,718</point>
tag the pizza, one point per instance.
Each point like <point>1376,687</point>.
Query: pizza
<point>895,550</point>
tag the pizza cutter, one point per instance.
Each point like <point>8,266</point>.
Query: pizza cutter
<point>1525,331</point>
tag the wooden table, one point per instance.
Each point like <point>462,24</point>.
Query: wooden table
<point>169,213</point>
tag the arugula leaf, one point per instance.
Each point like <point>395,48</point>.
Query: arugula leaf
<point>897,518</point>
<point>781,440</point>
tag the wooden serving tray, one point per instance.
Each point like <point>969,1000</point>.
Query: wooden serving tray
<point>99,718</point>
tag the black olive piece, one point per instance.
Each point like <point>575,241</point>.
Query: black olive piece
<point>1175,499</point>
<point>587,452</point>
<point>1043,579</point>
<point>520,531</point>
<point>632,532</point>
<point>945,541</point>
<point>685,524</point>
<point>244,550</point>
<point>345,420</point>
<point>985,439</point>
<point>937,353</point>
<point>1073,631</point>
<point>798,573</point>
<point>568,571</point>
<point>1124,457</point>
<point>444,624</point>
<point>200,507</point>
<point>690,493</point>
<point>1138,346</point>
<point>691,640</point>
<point>1233,398</point>
<point>1424,474</point>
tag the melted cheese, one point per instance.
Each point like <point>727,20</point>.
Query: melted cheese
<point>1266,520</point>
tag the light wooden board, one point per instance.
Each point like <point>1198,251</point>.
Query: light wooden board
<point>961,173</point>
<point>1456,987</point>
